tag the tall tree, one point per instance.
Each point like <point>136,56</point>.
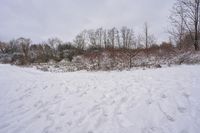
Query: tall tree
<point>99,36</point>
<point>146,32</point>
<point>178,29</point>
<point>127,35</point>
<point>24,44</point>
<point>112,37</point>
<point>149,38</point>
<point>92,37</point>
<point>3,47</point>
<point>80,40</point>
<point>190,14</point>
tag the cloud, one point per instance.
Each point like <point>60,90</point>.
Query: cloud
<point>42,19</point>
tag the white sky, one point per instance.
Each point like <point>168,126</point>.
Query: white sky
<point>43,19</point>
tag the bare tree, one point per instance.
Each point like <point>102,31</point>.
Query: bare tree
<point>127,35</point>
<point>3,47</point>
<point>149,39</point>
<point>47,51</point>
<point>178,29</point>
<point>54,42</point>
<point>105,38</point>
<point>190,14</point>
<point>80,40</point>
<point>139,41</point>
<point>118,38</point>
<point>24,44</point>
<point>146,32</point>
<point>92,37</point>
<point>13,46</point>
<point>111,37</point>
<point>130,54</point>
<point>99,36</point>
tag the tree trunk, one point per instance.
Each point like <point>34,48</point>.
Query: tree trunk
<point>196,45</point>
<point>196,22</point>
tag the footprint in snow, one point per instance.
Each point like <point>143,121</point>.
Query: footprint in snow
<point>169,117</point>
<point>61,84</point>
<point>163,96</point>
<point>62,114</point>
<point>69,123</point>
<point>181,109</point>
<point>23,97</point>
<point>20,106</point>
<point>186,95</point>
<point>149,101</point>
<point>45,87</point>
<point>38,104</point>
<point>82,94</point>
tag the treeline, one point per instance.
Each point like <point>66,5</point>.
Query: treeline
<point>113,38</point>
<point>22,51</point>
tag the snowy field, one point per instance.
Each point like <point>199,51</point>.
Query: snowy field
<point>165,100</point>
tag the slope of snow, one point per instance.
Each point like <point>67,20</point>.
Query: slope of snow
<point>165,100</point>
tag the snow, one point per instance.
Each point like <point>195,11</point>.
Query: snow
<point>165,100</point>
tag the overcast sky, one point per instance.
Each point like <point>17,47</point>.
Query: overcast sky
<point>43,19</point>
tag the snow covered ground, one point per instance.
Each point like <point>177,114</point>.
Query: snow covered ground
<point>165,100</point>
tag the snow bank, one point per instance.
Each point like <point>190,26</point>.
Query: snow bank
<point>162,100</point>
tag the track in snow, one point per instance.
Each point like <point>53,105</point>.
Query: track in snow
<point>163,100</point>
